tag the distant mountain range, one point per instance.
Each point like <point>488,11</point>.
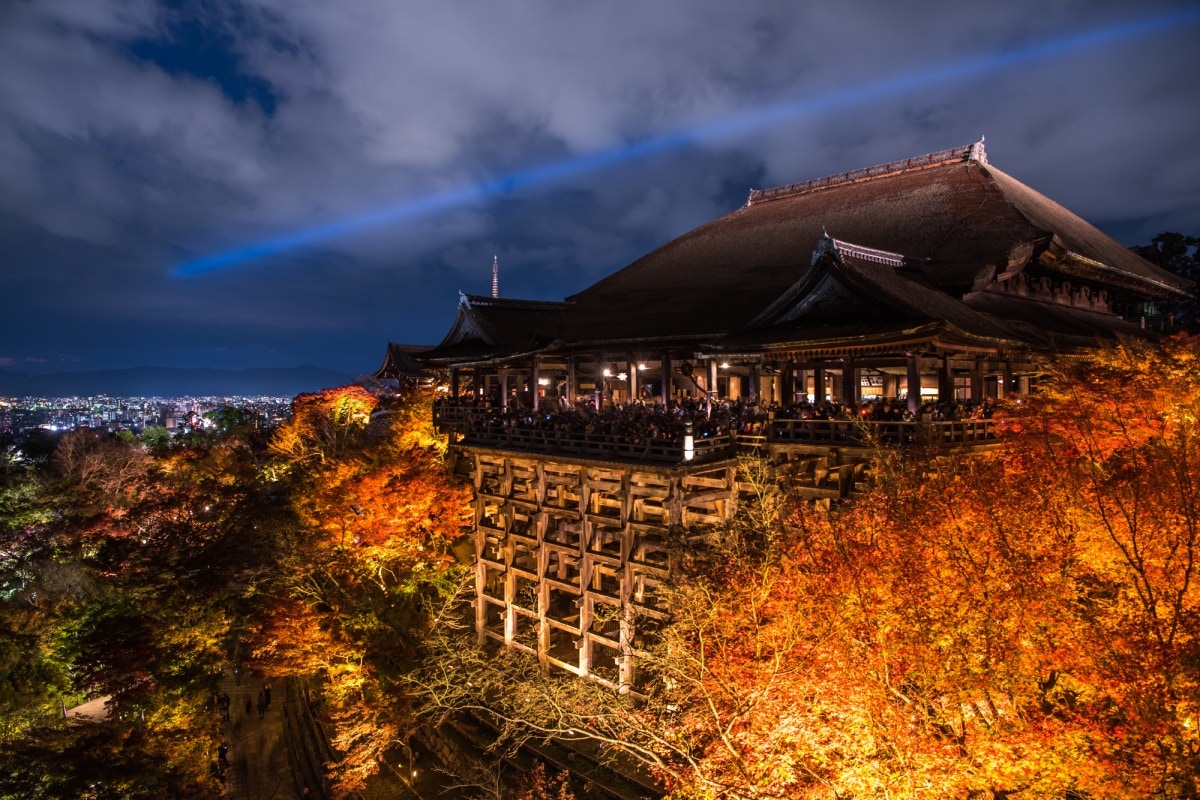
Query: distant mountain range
<point>173,382</point>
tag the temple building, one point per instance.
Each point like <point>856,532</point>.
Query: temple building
<point>936,279</point>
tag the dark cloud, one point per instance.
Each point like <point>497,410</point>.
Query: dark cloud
<point>135,136</point>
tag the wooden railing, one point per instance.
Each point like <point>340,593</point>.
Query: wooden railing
<point>840,431</point>
<point>866,432</point>
<point>598,445</point>
<point>477,430</point>
<point>448,416</point>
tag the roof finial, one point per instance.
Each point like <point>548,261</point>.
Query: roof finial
<point>978,154</point>
<point>495,276</point>
<point>826,245</point>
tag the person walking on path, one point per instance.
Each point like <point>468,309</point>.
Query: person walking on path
<point>262,705</point>
<point>222,760</point>
<point>267,693</point>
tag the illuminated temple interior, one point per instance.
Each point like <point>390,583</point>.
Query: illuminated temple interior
<point>935,281</point>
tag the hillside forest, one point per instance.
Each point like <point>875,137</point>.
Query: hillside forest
<point>1021,623</point>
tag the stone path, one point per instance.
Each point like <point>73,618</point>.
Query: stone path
<point>258,753</point>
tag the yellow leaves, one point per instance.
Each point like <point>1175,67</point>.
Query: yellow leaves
<point>377,512</point>
<point>1025,621</point>
<point>323,424</point>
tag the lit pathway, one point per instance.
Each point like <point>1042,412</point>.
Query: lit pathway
<point>258,756</point>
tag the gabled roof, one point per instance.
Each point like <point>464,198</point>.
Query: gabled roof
<point>868,296</point>
<point>952,212</point>
<point>1054,326</point>
<point>398,362</point>
<point>1076,247</point>
<point>489,327</point>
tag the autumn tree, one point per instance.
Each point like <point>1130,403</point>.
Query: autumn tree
<point>30,677</point>
<point>1023,622</point>
<point>704,715</point>
<point>376,515</point>
<point>1124,479</point>
<point>128,571</point>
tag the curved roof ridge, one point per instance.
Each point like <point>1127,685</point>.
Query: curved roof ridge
<point>489,301</point>
<point>969,152</point>
<point>842,247</point>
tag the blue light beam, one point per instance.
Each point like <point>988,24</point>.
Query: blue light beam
<point>734,126</point>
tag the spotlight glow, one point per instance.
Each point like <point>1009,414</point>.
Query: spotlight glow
<point>736,125</point>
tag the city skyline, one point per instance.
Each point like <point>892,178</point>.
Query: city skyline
<point>143,140</point>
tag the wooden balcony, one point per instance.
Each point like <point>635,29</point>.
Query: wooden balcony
<point>601,446</point>
<point>477,430</point>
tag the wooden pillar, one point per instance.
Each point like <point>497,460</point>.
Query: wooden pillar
<point>504,388</point>
<point>818,384</point>
<point>1009,383</point>
<point>850,387</point>
<point>454,384</point>
<point>534,386</point>
<point>945,380</point>
<point>711,387</point>
<point>543,588</point>
<point>570,388</point>
<point>480,567</point>
<point>510,589</point>
<point>633,377</point>
<point>977,381</point>
<point>667,394</point>
<point>913,383</point>
<point>599,393</point>
<point>787,380</point>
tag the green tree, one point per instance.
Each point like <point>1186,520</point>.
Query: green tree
<point>1179,254</point>
<point>156,437</point>
<point>126,573</point>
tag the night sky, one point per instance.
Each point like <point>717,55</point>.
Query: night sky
<point>286,182</point>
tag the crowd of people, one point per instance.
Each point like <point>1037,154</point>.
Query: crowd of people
<point>640,420</point>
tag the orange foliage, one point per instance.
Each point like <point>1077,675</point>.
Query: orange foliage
<point>324,424</point>
<point>377,513</point>
<point>1023,622</point>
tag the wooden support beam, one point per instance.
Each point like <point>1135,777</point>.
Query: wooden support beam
<point>945,380</point>
<point>534,386</point>
<point>570,388</point>
<point>913,383</point>
<point>850,385</point>
<point>632,372</point>
<point>667,392</point>
<point>711,387</point>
